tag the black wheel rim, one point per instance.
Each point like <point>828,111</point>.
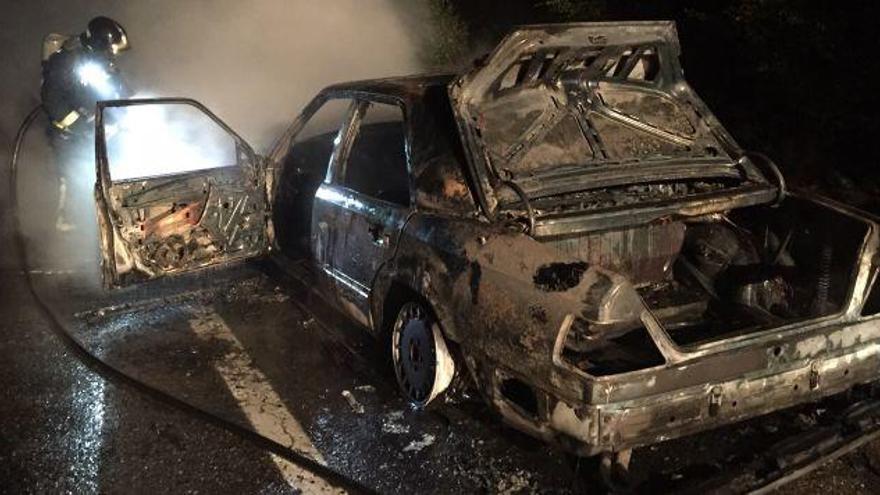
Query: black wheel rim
<point>415,360</point>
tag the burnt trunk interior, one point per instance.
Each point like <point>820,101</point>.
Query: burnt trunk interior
<point>756,268</point>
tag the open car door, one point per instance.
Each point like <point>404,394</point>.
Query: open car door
<point>176,190</point>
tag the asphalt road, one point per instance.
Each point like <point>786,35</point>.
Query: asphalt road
<point>261,351</point>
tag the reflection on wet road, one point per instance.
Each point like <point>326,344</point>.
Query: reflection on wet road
<point>86,440</point>
<point>268,357</point>
<point>263,407</point>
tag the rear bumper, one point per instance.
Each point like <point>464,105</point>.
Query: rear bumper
<point>655,419</point>
<point>729,384</point>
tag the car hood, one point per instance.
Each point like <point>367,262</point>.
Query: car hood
<point>555,107</point>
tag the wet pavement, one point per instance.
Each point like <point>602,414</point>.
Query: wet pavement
<point>265,352</point>
<point>68,430</point>
<point>331,380</point>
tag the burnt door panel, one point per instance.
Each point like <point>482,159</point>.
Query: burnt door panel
<point>176,190</point>
<point>363,234</point>
<point>370,239</point>
<point>307,154</point>
<point>373,199</point>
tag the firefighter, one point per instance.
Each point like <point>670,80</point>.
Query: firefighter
<point>79,71</point>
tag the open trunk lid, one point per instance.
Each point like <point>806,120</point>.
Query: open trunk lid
<point>556,109</point>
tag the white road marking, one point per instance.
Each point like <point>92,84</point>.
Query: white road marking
<point>261,404</point>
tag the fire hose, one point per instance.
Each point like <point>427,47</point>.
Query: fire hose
<point>112,374</point>
<point>859,425</point>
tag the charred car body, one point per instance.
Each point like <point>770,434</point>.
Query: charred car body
<point>566,224</point>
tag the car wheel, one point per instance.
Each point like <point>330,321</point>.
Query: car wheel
<point>422,362</point>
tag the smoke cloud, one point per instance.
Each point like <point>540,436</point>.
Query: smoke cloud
<point>255,64</point>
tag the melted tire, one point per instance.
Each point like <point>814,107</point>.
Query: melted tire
<point>422,363</point>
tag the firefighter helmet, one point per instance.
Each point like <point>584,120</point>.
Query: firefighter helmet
<point>105,35</point>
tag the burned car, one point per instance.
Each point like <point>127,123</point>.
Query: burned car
<point>566,225</point>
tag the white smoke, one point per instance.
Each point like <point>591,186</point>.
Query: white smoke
<point>257,63</point>
<point>153,140</point>
<point>253,63</point>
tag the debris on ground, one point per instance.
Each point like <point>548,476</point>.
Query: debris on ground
<point>516,482</point>
<point>393,423</point>
<point>356,406</point>
<point>417,445</point>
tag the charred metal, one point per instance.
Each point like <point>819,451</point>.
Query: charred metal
<point>606,265</point>
<point>559,277</point>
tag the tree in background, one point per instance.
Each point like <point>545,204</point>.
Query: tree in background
<point>574,10</point>
<point>448,44</point>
